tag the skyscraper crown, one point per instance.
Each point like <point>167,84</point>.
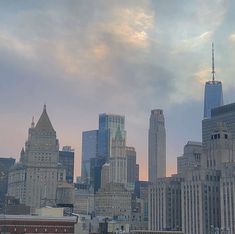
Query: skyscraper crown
<point>44,123</point>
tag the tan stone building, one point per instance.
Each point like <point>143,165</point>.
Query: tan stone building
<point>113,201</point>
<point>34,179</point>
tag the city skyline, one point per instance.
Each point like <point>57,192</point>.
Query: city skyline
<point>83,59</point>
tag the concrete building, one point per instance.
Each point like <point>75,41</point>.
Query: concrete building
<point>227,198</point>
<point>200,201</point>
<point>155,232</point>
<point>165,205</point>
<point>33,180</point>
<point>213,92</point>
<point>225,114</point>
<point>89,151</point>
<point>117,160</point>
<point>156,146</point>
<point>191,158</point>
<point>114,201</point>
<point>66,158</point>
<point>83,199</point>
<point>219,149</point>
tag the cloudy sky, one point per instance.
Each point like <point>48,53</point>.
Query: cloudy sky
<point>87,57</point>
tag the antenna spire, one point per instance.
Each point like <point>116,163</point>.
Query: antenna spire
<point>213,63</point>
<point>32,124</point>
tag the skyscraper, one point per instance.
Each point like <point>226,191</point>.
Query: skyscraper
<point>213,96</point>
<point>156,146</point>
<point>131,164</point>
<point>66,158</point>
<point>108,125</point>
<point>33,180</point>
<point>89,151</point>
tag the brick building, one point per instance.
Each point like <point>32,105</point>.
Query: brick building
<point>36,224</point>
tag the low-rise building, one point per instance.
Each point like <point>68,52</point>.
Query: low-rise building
<point>114,201</point>
<point>18,224</point>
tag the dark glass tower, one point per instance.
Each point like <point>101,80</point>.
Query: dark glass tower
<point>108,125</point>
<point>213,96</point>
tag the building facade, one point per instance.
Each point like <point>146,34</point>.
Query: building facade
<point>66,158</point>
<point>225,114</point>
<point>89,151</point>
<point>131,164</point>
<point>27,224</point>
<point>108,125</point>
<point>165,205</point>
<point>114,201</point>
<point>118,162</point>
<point>156,146</point>
<point>5,165</point>
<point>191,158</point>
<point>33,180</point>
<point>227,197</point>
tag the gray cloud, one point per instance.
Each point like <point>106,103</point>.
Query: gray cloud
<point>87,57</point>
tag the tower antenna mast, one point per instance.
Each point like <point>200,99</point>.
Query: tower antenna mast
<point>213,63</point>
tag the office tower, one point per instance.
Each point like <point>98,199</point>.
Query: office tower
<point>201,186</point>
<point>131,164</point>
<point>225,114</point>
<point>200,201</point>
<point>227,197</point>
<point>141,192</point>
<point>219,149</point>
<point>117,159</point>
<point>108,125</point>
<point>156,146</point>
<point>5,165</point>
<point>96,165</point>
<point>83,199</point>
<point>114,201</point>
<point>33,180</point>
<point>89,151</point>
<point>213,96</point>
<point>165,204</point>
<point>191,157</point>
<point>66,158</point>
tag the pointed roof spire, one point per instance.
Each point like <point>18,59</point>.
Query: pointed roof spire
<point>44,122</point>
<point>213,63</point>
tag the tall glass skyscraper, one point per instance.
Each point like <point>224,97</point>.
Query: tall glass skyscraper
<point>89,151</point>
<point>213,96</point>
<point>108,125</point>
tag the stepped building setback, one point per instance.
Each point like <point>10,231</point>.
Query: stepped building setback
<point>34,179</point>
